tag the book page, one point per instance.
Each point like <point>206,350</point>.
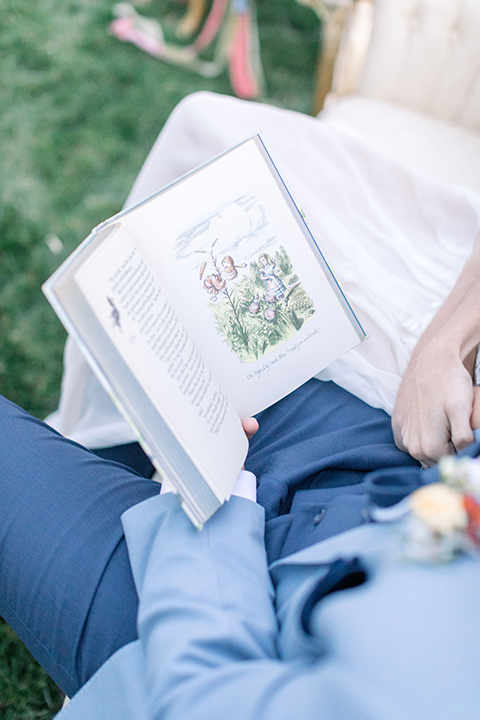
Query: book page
<point>245,276</point>
<point>135,312</point>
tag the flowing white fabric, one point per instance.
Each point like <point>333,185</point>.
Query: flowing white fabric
<point>395,239</point>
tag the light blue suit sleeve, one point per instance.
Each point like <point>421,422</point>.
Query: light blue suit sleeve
<point>208,627</point>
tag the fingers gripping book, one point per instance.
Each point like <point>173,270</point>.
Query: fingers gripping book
<point>204,304</point>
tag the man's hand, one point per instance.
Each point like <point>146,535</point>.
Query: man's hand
<point>250,425</point>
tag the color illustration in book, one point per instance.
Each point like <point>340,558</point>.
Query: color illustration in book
<point>248,279</point>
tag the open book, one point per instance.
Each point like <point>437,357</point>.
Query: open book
<point>205,303</point>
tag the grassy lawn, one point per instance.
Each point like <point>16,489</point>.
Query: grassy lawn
<point>79,111</point>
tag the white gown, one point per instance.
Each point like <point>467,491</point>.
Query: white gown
<point>396,240</point>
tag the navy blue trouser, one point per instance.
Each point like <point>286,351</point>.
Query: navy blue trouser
<point>66,586</point>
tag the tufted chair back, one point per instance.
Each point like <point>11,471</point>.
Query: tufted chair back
<point>420,54</point>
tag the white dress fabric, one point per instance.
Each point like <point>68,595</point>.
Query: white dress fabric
<point>396,240</point>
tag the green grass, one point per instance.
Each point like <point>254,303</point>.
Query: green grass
<point>79,111</point>
<point>26,692</point>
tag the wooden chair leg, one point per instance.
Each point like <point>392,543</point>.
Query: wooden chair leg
<point>332,26</point>
<point>192,18</point>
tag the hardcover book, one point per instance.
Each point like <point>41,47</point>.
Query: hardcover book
<point>204,304</point>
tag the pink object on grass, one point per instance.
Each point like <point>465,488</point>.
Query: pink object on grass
<point>212,25</point>
<point>242,77</point>
<point>124,29</point>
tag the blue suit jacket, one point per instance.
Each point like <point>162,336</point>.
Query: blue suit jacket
<point>220,637</point>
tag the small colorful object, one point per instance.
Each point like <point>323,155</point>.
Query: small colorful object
<point>444,517</point>
<point>231,23</point>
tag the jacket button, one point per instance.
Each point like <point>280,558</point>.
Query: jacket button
<point>319,516</point>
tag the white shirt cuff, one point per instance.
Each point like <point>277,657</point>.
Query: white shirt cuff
<point>246,486</point>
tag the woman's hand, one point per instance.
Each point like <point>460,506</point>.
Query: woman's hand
<point>475,421</point>
<point>433,412</point>
<point>435,403</point>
